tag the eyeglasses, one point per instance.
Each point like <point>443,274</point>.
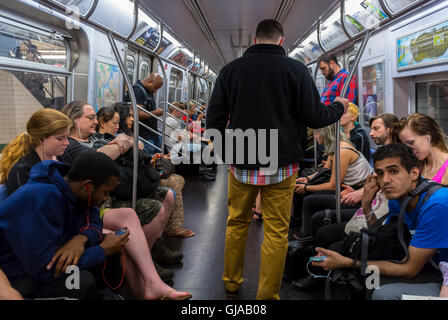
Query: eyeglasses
<point>92,117</point>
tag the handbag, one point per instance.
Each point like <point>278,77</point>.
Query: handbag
<point>322,176</point>
<point>164,166</point>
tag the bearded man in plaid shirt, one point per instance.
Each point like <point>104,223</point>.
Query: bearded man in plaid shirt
<point>329,67</point>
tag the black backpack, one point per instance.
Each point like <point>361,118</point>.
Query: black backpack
<point>379,242</point>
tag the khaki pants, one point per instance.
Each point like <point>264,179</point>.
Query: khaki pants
<point>276,201</point>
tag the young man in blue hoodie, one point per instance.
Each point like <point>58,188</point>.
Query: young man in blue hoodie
<point>47,225</point>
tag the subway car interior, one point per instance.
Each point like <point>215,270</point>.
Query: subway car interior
<point>55,52</point>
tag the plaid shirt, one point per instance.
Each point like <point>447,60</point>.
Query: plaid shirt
<point>256,177</point>
<point>334,87</point>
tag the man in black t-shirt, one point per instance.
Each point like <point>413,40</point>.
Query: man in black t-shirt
<point>144,91</point>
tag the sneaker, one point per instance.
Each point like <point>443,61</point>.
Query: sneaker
<point>165,274</point>
<point>162,254</point>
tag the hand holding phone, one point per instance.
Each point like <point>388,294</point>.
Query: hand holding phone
<point>318,258</point>
<point>121,231</point>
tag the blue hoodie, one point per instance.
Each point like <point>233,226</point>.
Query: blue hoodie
<point>39,218</point>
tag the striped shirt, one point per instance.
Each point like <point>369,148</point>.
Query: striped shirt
<point>258,178</point>
<point>334,87</point>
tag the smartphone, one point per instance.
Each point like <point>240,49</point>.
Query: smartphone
<point>121,231</point>
<point>318,258</point>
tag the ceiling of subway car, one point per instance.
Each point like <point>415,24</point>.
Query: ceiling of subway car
<point>220,30</point>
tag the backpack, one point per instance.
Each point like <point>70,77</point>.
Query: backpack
<point>378,242</point>
<point>127,97</point>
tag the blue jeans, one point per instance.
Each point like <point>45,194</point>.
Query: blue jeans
<point>394,291</point>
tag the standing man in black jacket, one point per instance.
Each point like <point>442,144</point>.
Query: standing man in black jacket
<point>264,89</point>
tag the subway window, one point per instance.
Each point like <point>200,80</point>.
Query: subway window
<point>432,99</point>
<point>175,85</point>
<point>26,45</point>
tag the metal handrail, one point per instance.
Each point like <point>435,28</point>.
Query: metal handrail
<point>150,129</point>
<point>338,124</point>
<point>178,120</point>
<point>314,138</point>
<point>151,144</point>
<point>195,102</point>
<point>134,109</point>
<point>180,110</point>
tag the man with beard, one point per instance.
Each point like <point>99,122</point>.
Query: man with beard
<point>380,127</point>
<point>336,76</point>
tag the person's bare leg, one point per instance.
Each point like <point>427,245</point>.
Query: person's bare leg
<point>7,292</point>
<point>258,207</point>
<point>140,271</point>
<point>154,229</point>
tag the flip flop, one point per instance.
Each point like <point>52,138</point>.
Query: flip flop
<point>167,295</point>
<point>258,216</point>
<point>180,232</point>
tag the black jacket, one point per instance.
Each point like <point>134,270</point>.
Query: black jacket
<point>20,172</point>
<point>359,138</point>
<point>265,89</point>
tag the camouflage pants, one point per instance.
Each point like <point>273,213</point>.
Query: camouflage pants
<point>177,183</point>
<point>146,208</point>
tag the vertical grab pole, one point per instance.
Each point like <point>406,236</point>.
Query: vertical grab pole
<point>338,125</point>
<point>314,138</point>
<point>164,105</point>
<point>165,100</point>
<point>134,109</point>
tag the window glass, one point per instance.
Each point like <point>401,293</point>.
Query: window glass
<point>144,70</point>
<point>79,6</point>
<point>331,32</point>
<point>130,69</point>
<point>22,94</point>
<point>23,44</point>
<point>372,91</point>
<point>175,85</point>
<point>202,90</point>
<point>432,99</point>
<point>312,45</point>
<point>117,15</point>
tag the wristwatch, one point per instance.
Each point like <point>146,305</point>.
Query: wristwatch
<point>304,187</point>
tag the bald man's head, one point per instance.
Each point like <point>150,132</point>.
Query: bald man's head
<point>153,82</point>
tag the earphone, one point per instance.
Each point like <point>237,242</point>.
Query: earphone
<point>429,139</point>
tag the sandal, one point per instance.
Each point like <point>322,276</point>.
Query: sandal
<point>180,232</point>
<point>167,295</point>
<point>258,216</point>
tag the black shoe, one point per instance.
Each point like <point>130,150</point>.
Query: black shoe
<point>232,295</point>
<point>165,274</point>
<point>164,255</point>
<point>306,283</point>
<point>207,176</point>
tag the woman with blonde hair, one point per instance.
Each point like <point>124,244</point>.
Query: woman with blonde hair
<point>428,141</point>
<point>45,138</point>
<point>354,169</point>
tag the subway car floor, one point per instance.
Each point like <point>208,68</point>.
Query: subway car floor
<point>205,206</point>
